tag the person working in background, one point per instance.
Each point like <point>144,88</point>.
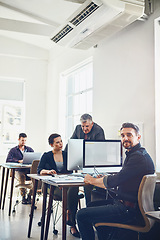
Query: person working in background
<point>90,131</point>
<point>54,162</point>
<point>123,208</point>
<point>16,155</point>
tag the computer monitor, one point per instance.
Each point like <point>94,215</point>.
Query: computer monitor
<point>75,154</point>
<point>105,156</point>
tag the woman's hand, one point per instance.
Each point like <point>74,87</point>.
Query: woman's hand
<point>50,172</point>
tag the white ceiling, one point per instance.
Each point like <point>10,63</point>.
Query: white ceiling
<point>33,21</point>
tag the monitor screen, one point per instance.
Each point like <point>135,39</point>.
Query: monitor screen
<point>75,154</point>
<point>102,154</point>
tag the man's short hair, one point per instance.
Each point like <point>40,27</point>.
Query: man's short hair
<point>130,125</point>
<point>52,137</point>
<point>24,135</point>
<point>86,117</point>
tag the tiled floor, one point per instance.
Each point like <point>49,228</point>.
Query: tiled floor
<point>15,227</point>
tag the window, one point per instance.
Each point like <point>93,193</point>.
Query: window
<point>78,85</point>
<point>11,113</point>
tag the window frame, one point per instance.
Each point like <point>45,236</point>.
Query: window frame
<point>64,117</point>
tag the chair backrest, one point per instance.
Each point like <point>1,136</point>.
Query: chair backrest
<point>34,166</point>
<point>145,202</point>
<point>33,170</point>
<point>145,198</point>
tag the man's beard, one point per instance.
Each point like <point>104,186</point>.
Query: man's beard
<point>128,146</point>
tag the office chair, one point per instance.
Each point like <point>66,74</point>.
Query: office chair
<point>29,184</point>
<point>57,203</point>
<point>145,202</point>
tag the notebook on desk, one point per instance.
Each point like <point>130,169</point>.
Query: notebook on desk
<point>28,157</point>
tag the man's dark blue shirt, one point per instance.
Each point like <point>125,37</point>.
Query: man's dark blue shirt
<point>15,154</point>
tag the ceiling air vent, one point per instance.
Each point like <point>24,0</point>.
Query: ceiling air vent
<point>62,33</point>
<point>84,14</point>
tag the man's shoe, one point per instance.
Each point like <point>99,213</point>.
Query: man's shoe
<point>29,199</point>
<point>24,200</point>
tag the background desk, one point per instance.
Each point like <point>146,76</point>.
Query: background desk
<point>9,167</point>
<point>64,186</point>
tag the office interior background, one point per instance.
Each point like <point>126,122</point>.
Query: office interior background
<point>33,69</point>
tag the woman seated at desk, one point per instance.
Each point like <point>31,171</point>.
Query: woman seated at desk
<point>53,162</point>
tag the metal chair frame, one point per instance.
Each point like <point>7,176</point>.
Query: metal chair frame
<point>145,202</point>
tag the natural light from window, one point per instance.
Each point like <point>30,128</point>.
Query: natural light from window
<point>76,94</point>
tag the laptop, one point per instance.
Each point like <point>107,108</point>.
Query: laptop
<point>28,157</point>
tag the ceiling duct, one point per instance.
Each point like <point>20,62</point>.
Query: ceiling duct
<point>97,19</point>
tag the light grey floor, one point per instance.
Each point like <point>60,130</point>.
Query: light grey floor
<point>15,227</point>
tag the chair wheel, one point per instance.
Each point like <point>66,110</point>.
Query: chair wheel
<point>35,207</point>
<point>55,232</point>
<point>39,224</point>
<point>13,211</point>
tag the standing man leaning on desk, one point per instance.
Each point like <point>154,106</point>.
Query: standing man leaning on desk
<point>90,131</point>
<point>16,155</point>
<point>123,208</point>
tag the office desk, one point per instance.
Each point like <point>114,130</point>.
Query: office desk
<point>64,186</point>
<point>154,215</point>
<point>44,186</point>
<point>9,167</point>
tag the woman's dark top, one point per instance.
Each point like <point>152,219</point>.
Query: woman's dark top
<point>47,162</point>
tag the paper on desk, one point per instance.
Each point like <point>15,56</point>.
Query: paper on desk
<point>45,177</point>
<point>66,179</point>
<point>48,177</point>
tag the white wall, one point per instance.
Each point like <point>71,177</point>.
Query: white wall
<point>123,80</point>
<point>157,89</point>
<point>124,74</point>
<point>19,60</point>
<point>61,59</point>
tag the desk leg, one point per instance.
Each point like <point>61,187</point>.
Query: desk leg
<point>43,209</point>
<point>32,207</point>
<point>2,184</point>
<point>5,190</point>
<point>64,207</point>
<point>11,193</point>
<point>49,212</point>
